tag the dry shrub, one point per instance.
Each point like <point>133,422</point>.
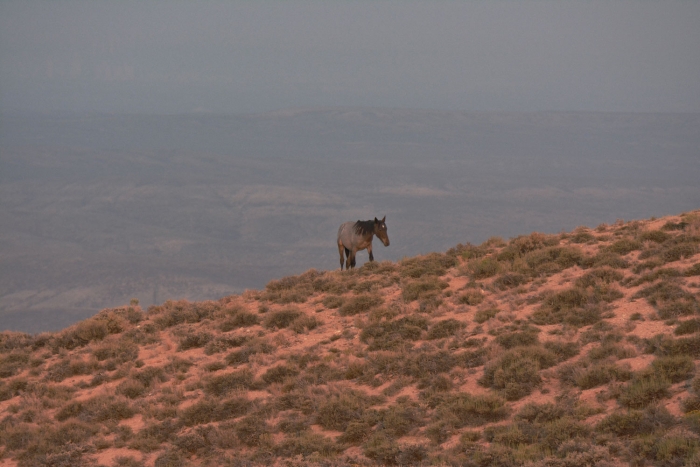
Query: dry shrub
<point>386,335</point>
<point>239,319</point>
<point>305,323</point>
<point>445,328</point>
<point>68,367</point>
<point>550,260</point>
<point>293,289</point>
<point>484,314</point>
<point>471,297</point>
<point>571,306</point>
<point>516,372</point>
<point>172,313</point>
<point>670,299</point>
<point>359,304</point>
<point>220,385</point>
<point>332,301</point>
<point>423,288</point>
<point>461,409</point>
<point>277,374</point>
<point>605,258</point>
<point>483,268</point>
<point>102,408</point>
<point>338,410</point>
<point>282,319</point>
<point>195,340</point>
<point>243,355</point>
<point>434,264</point>
<point>656,236</point>
<point>510,280</point>
<point>624,246</point>
<point>305,444</point>
<point>599,276</point>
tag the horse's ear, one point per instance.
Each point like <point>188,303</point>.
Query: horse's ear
<point>384,219</point>
<point>376,221</point>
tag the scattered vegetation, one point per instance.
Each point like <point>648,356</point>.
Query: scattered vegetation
<point>473,357</point>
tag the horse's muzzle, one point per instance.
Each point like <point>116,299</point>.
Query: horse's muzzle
<point>385,242</point>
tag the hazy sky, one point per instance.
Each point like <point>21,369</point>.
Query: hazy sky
<point>227,56</point>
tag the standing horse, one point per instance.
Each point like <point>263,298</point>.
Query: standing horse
<point>356,236</point>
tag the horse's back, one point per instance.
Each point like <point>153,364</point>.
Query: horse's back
<point>345,232</point>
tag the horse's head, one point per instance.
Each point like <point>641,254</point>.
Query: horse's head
<point>380,230</point>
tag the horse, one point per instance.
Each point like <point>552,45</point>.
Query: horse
<point>356,236</point>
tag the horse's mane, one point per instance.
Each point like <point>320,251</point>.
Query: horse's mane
<point>364,227</point>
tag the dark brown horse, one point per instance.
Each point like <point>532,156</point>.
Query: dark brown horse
<point>356,236</point>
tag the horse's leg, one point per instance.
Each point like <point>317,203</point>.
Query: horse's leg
<point>351,259</point>
<point>341,250</point>
<point>369,249</point>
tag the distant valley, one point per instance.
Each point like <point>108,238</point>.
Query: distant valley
<point>99,209</point>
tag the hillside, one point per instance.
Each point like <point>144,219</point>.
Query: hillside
<point>545,350</point>
<point>98,209</point>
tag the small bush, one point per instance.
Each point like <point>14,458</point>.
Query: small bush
<point>461,409</point>
<point>194,341</point>
<point>510,280</point>
<point>279,373</point>
<point>357,432</point>
<point>445,328</point>
<point>563,350</point>
<point>131,389</point>
<point>96,409</point>
<point>434,264</point>
<point>220,385</point>
<point>243,355</point>
<point>359,304</point>
<point>305,444</point>
<point>471,298</point>
<point>674,368</point>
<point>398,420</point>
<point>665,346</point>
<point>643,390</point>
<point>693,270</point>
<point>381,448</point>
<point>572,306</point>
<point>222,343</point>
<point>518,338</point>
<point>484,268</point>
<point>516,373</point>
<point>212,410</point>
<point>305,323</point>
<point>425,364</point>
<point>582,236</point>
<point>606,258</point>
<point>281,319</point>
<point>598,276</point>
<point>690,326</point>
<point>239,320</point>
<point>336,412</point>
<point>251,429</point>
<point>387,335</point>
<point>678,252</point>
<point>332,301</point>
<point>597,375</point>
<point>121,350</point>
<point>550,260</point>
<point>656,236</point>
<point>485,314</point>
<point>624,246</point>
<point>423,288</point>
